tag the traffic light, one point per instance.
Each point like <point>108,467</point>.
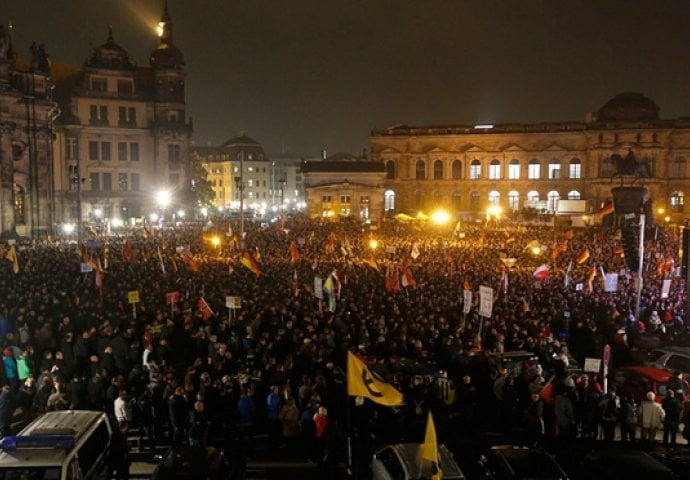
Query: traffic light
<point>631,245</point>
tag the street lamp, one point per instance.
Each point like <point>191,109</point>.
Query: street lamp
<point>239,183</point>
<point>163,198</point>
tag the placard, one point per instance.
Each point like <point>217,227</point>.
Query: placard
<point>486,300</point>
<point>133,296</point>
<point>592,365</point>
<point>318,287</point>
<point>233,302</point>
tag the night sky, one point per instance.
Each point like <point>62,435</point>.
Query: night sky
<point>304,75</point>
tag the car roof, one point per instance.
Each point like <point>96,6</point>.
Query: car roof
<point>530,462</point>
<point>656,374</point>
<point>673,349</point>
<point>410,453</point>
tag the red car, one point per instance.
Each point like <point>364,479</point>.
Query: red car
<point>639,380</point>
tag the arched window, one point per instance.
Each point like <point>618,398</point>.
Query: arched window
<point>420,170</point>
<point>495,169</point>
<point>606,169</point>
<point>677,201</point>
<point>552,200</point>
<point>474,201</point>
<point>532,198</point>
<point>554,169</point>
<point>389,200</point>
<point>494,197</point>
<point>513,200</point>
<point>534,169</point>
<point>390,169</point>
<point>457,200</point>
<point>514,169</point>
<point>575,168</point>
<point>19,205</point>
<point>457,170</point>
<point>475,170</point>
<point>419,199</point>
<point>438,170</point>
<point>574,195</point>
<point>678,167</point>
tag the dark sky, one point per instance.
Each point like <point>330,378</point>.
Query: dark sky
<point>303,75</point>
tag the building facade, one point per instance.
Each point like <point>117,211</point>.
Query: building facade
<point>27,112</point>
<point>122,136</point>
<point>521,166</point>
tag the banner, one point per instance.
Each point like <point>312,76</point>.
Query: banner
<point>665,288</point>
<point>318,287</point>
<point>466,301</point>
<point>486,300</point>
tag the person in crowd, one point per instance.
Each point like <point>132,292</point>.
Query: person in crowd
<point>672,414</point>
<point>290,425</point>
<point>651,418</point>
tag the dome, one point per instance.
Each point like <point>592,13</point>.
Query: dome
<point>167,56</point>
<point>110,56</point>
<point>629,107</point>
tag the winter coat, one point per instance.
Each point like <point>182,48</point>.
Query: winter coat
<point>652,414</point>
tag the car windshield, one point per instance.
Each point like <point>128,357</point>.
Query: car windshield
<point>30,473</point>
<point>533,465</point>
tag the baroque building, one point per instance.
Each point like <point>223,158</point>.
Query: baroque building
<point>122,135</point>
<point>466,169</point>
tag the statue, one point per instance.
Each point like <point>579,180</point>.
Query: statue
<point>40,60</point>
<point>629,166</point>
<point>4,43</point>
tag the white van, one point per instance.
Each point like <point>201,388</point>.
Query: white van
<point>63,445</point>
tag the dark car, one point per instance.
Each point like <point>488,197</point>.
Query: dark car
<point>509,462</point>
<point>200,463</point>
<point>624,464</point>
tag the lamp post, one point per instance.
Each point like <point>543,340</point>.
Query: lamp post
<point>239,183</point>
<point>283,181</point>
<point>163,198</point>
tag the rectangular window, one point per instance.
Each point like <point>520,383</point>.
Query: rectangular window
<point>105,150</point>
<point>93,151</point>
<point>533,171</point>
<point>514,172</point>
<point>71,151</point>
<point>494,172</point>
<point>107,182</point>
<point>135,182</point>
<point>250,183</point>
<point>173,156</point>
<point>122,182</point>
<point>326,199</point>
<point>554,171</point>
<point>99,84</point>
<point>125,86</point>
<point>134,151</point>
<point>103,114</point>
<point>475,171</point>
<point>93,114</point>
<point>122,151</point>
<point>344,199</point>
<point>95,182</point>
<point>575,170</point>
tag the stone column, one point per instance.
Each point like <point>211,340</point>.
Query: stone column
<point>7,224</point>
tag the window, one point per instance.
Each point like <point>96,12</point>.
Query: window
<point>606,167</point>
<point>456,170</point>
<point>122,151</point>
<point>134,151</point>
<point>554,169</point>
<point>345,199</point>
<point>95,182</point>
<point>678,167</point>
<point>390,169</point>
<point>389,200</point>
<point>326,199</point>
<point>575,169</point>
<point>457,200</point>
<point>495,169</point>
<point>19,205</point>
<point>513,200</point>
<point>125,86</point>
<point>105,150</point>
<point>494,197</point>
<point>438,170</point>
<point>135,182</point>
<point>419,199</point>
<point>127,116</point>
<point>107,182</point>
<point>99,84</point>
<point>345,212</point>
<point>93,151</point>
<point>420,170</point>
<point>73,175</point>
<point>514,169</point>
<point>71,149</point>
<point>391,463</point>
<point>122,182</point>
<point>534,169</point>
<point>475,170</point>
<point>174,156</point>
<point>532,198</point>
<point>552,200</point>
<point>677,201</point>
<point>574,195</point>
<point>250,183</point>
<point>474,201</point>
<point>92,454</point>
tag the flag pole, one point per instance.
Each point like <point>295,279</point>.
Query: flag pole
<point>349,437</point>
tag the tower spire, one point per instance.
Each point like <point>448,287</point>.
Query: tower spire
<point>165,26</point>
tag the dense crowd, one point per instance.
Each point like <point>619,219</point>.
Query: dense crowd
<point>193,372</point>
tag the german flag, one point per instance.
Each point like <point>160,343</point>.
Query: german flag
<point>247,259</point>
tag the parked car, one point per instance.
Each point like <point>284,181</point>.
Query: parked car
<point>638,380</point>
<point>509,462</point>
<point>624,464</point>
<point>200,463</point>
<point>670,358</point>
<point>403,461</point>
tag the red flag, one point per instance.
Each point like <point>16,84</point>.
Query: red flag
<point>127,251</point>
<point>407,280</point>
<point>294,251</point>
<point>392,279</point>
<point>205,310</point>
<point>541,272</point>
<point>172,297</point>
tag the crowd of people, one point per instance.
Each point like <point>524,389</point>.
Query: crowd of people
<point>187,369</point>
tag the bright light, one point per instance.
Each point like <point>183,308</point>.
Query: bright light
<point>68,228</point>
<point>536,250</point>
<point>180,213</point>
<point>116,222</point>
<point>373,244</point>
<point>440,217</point>
<point>159,28</point>
<point>483,127</point>
<point>204,211</point>
<point>215,240</point>
<point>661,211</point>
<point>220,208</point>
<point>163,198</point>
<point>98,212</point>
<point>667,219</point>
<point>494,211</point>
<point>154,217</point>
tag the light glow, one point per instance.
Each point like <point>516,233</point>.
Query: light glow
<point>440,217</point>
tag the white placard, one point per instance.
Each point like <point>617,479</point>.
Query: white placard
<point>486,300</point>
<point>611,282</point>
<point>466,301</point>
<point>665,288</point>
<point>233,302</point>
<point>593,365</point>
<point>318,287</point>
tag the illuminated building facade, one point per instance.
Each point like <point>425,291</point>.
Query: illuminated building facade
<point>122,135</point>
<point>466,169</point>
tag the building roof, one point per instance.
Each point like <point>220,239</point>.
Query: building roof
<point>629,107</point>
<point>110,56</point>
<point>240,139</point>
<point>326,166</point>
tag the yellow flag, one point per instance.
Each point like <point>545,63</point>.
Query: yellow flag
<point>362,383</point>
<point>584,256</point>
<point>430,448</point>
<point>12,257</point>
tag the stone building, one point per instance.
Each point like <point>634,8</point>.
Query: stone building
<point>122,135</point>
<point>518,166</point>
<point>27,112</point>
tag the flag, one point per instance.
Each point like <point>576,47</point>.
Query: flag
<point>509,261</point>
<point>332,288</point>
<point>541,272</point>
<point>294,251</point>
<point>592,276</point>
<point>127,251</point>
<point>430,448</point>
<point>606,209</point>
<point>566,279</point>
<point>248,261</point>
<point>415,251</point>
<point>584,256</point>
<point>12,257</point>
<point>406,278</point>
<point>392,279</point>
<point>100,274</point>
<point>532,244</point>
<point>371,263</point>
<point>192,264</point>
<point>160,259</point>
<point>569,234</point>
<point>558,249</point>
<point>362,383</point>
<point>205,309</point>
